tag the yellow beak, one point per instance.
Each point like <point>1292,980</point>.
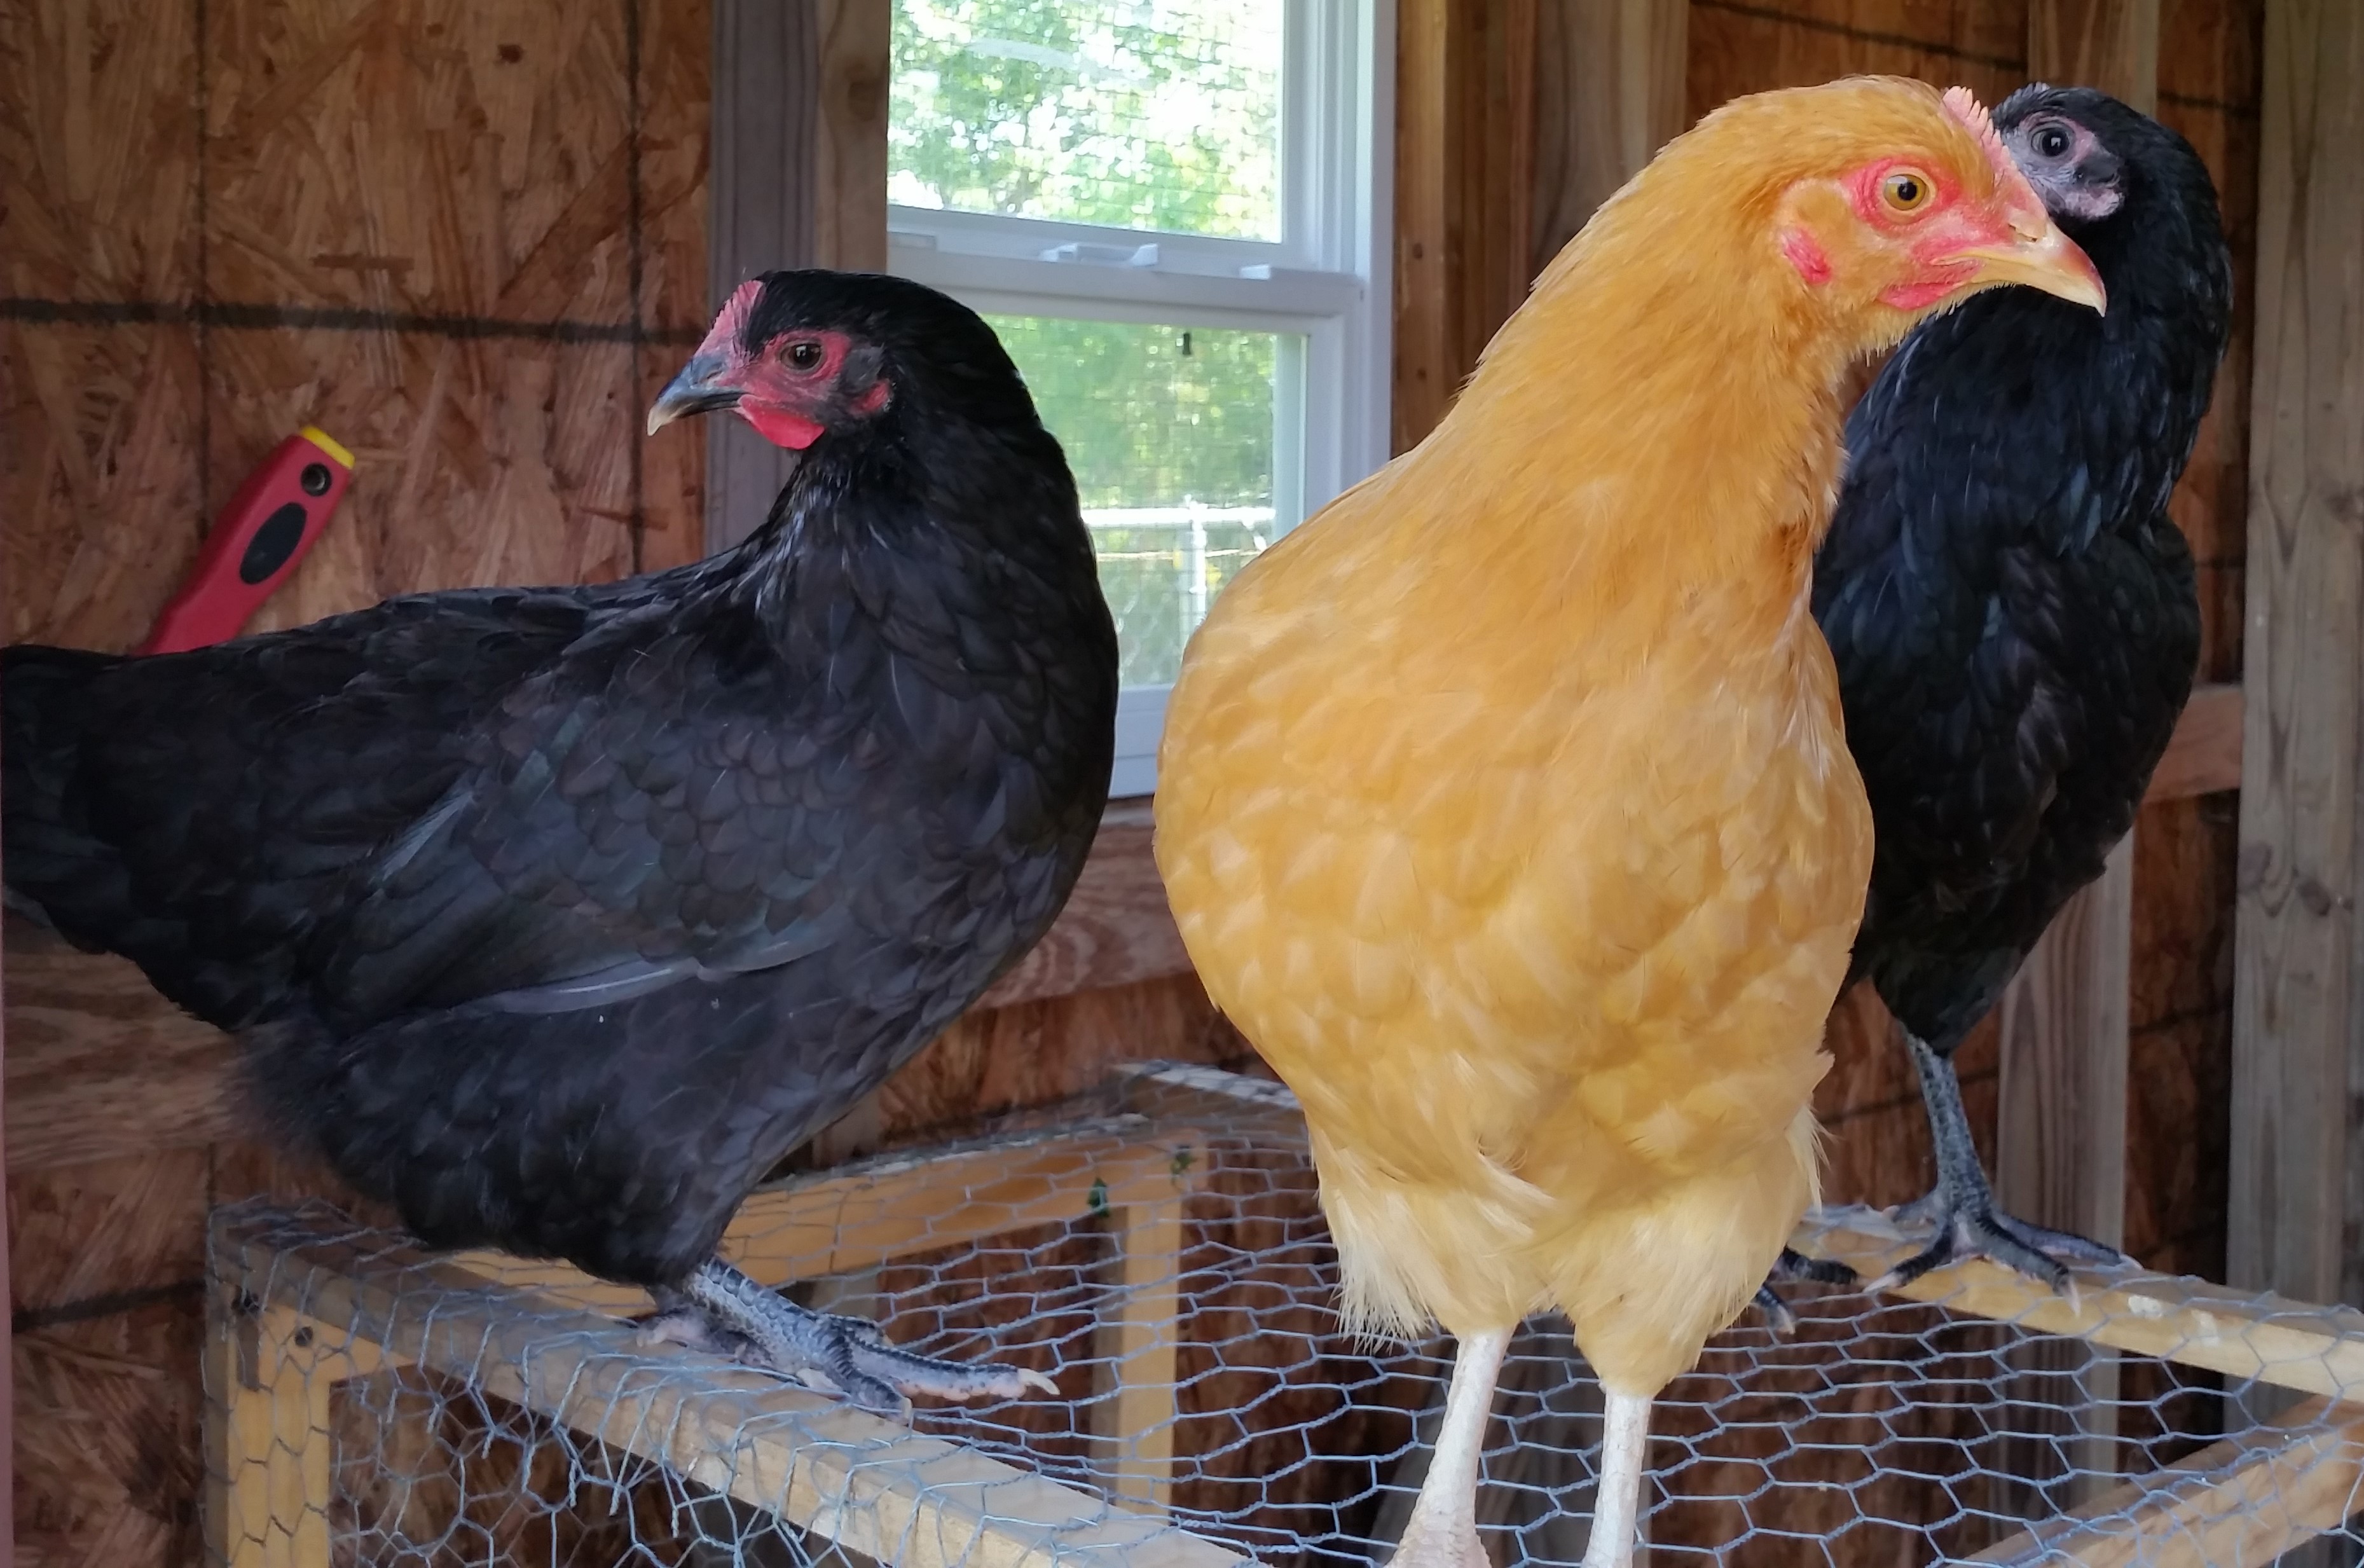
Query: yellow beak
<point>2040,255</point>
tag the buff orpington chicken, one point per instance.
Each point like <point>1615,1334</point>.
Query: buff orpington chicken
<point>1505,806</point>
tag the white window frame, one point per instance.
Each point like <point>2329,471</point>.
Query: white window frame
<point>1326,281</point>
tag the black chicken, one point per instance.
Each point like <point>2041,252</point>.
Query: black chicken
<point>557,917</point>
<point>2014,616</point>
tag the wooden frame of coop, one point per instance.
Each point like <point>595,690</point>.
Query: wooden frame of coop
<point>295,1307</point>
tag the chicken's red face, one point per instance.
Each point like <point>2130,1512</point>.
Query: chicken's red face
<point>1919,228</point>
<point>792,386</point>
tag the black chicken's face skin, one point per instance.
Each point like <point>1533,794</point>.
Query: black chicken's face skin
<point>2079,178</point>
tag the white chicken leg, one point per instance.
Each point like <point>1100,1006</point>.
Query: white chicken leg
<point>1443,1530</point>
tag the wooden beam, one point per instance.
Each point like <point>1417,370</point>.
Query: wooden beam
<point>2204,756</point>
<point>799,180</point>
<point>1463,160</point>
<point>873,1485</point>
<point>2108,44</point>
<point>1611,90</point>
<point>2298,1010</point>
<point>2242,1333</point>
<point>2250,1499</point>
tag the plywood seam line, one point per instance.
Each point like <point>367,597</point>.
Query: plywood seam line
<point>242,315</point>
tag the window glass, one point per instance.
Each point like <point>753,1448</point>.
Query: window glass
<point>1140,114</point>
<point>1170,433</point>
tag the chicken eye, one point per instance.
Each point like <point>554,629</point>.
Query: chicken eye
<point>804,355</point>
<point>1906,190</point>
<point>2052,141</point>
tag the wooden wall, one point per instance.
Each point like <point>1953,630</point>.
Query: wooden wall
<point>468,241</point>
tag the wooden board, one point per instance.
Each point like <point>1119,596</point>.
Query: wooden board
<point>1608,92</point>
<point>2108,44</point>
<point>875,1485</point>
<point>2248,1499</point>
<point>799,117</point>
<point>2296,992</point>
<point>1465,150</point>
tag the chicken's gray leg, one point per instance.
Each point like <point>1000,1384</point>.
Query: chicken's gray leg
<point>721,1310</point>
<point>1961,1208</point>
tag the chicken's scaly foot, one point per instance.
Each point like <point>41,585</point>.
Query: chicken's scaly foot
<point>722,1311</point>
<point>1793,1266</point>
<point>1961,1211</point>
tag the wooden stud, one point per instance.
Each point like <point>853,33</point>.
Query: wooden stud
<point>2250,1499</point>
<point>1463,192</point>
<point>2297,1010</point>
<point>2108,44</point>
<point>2205,755</point>
<point>850,154</point>
<point>269,1448</point>
<point>799,162</point>
<point>1142,1343</point>
<point>1609,91</point>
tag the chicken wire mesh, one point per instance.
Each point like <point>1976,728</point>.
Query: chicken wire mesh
<point>1162,1259</point>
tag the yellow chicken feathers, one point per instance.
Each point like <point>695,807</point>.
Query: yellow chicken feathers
<point>1505,806</point>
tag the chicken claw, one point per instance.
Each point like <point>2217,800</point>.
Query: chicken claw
<point>1793,1266</point>
<point>721,1311</point>
<point>1961,1210</point>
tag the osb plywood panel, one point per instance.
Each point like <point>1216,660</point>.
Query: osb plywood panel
<point>447,157</point>
<point>673,470</point>
<point>478,461</point>
<point>1750,47</point>
<point>676,66</point>
<point>110,1228</point>
<point>107,1453</point>
<point>97,132</point>
<point>98,477</point>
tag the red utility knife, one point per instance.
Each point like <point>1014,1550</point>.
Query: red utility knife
<point>256,542</point>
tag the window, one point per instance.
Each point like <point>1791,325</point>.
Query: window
<point>1174,213</point>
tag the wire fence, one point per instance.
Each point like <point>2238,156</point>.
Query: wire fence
<point>1161,566</point>
<point>1158,1253</point>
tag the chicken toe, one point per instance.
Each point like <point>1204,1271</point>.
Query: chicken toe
<point>822,1349</point>
<point>1792,1267</point>
<point>1964,1219</point>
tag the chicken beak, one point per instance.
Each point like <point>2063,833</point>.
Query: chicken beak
<point>2038,255</point>
<point>698,389</point>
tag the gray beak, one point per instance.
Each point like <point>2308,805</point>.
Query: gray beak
<point>698,389</point>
